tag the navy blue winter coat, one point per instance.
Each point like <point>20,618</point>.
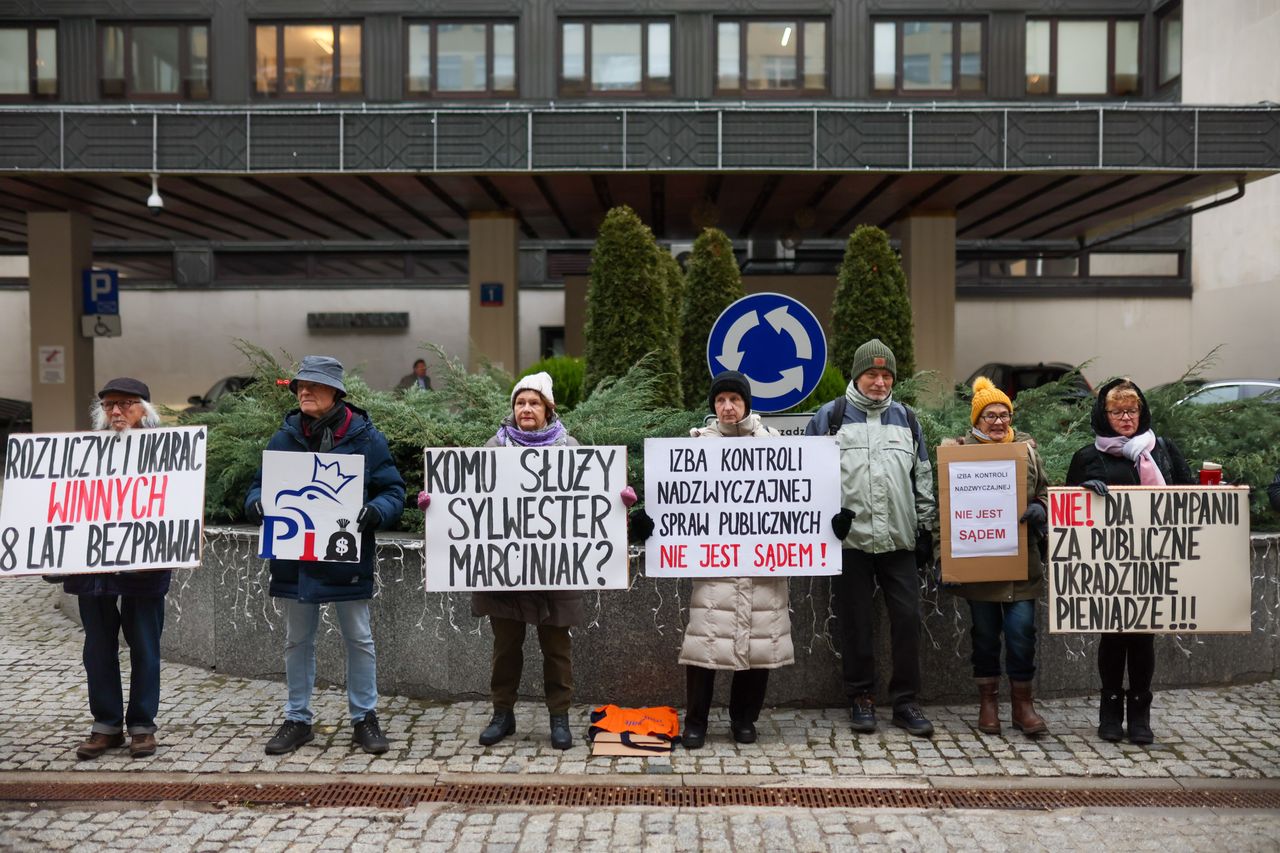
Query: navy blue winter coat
<point>145,584</point>
<point>318,582</point>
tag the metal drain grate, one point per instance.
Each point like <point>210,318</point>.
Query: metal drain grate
<point>345,794</point>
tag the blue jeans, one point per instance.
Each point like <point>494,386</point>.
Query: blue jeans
<point>301,622</point>
<point>1017,619</point>
<point>141,619</point>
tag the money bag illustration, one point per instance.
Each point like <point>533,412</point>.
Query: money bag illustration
<point>342,545</point>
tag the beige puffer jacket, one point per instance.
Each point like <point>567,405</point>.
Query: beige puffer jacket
<point>738,623</point>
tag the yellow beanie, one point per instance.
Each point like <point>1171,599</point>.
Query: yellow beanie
<point>985,393</point>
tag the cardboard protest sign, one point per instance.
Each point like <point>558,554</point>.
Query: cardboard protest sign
<point>1169,559</point>
<point>982,492</point>
<point>525,518</point>
<point>310,502</point>
<point>741,506</point>
<point>86,502</point>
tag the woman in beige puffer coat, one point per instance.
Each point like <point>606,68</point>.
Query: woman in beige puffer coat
<point>740,624</point>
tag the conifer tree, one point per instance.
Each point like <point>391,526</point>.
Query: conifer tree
<point>871,301</point>
<point>713,283</point>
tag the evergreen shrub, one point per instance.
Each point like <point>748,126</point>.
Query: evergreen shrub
<point>712,283</point>
<point>566,378</point>
<point>871,301</point>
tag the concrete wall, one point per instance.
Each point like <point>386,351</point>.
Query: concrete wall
<point>430,646</point>
<point>182,341</point>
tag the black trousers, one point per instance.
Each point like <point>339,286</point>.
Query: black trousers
<point>1137,650</point>
<point>895,573</point>
<point>746,695</point>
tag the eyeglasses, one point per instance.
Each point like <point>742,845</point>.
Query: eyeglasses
<point>991,418</point>
<point>121,405</point>
<point>1122,414</point>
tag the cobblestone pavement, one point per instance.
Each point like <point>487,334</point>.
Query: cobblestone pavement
<point>739,830</point>
<point>215,726</point>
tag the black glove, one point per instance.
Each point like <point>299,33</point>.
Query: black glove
<point>924,548</point>
<point>841,522</point>
<point>369,518</point>
<point>1035,519</point>
<point>1096,486</point>
<point>254,513</point>
<point>641,526</point>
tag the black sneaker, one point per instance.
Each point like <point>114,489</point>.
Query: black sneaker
<point>863,713</point>
<point>561,737</point>
<point>911,718</point>
<point>368,736</point>
<point>291,735</point>
<point>502,723</point>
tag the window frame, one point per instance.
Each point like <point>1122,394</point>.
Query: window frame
<point>336,94</point>
<point>33,94</point>
<point>645,90</point>
<point>434,93</point>
<point>898,90</point>
<point>741,91</point>
<point>1110,21</point>
<point>1162,18</point>
<point>184,60</point>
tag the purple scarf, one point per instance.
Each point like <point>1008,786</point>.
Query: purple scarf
<point>1137,449</point>
<point>550,435</point>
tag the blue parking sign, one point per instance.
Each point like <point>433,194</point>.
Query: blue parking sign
<point>101,291</point>
<point>776,342</point>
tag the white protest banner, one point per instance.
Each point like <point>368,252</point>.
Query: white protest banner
<point>741,506</point>
<point>1169,559</point>
<point>86,502</point>
<point>525,518</point>
<point>310,502</point>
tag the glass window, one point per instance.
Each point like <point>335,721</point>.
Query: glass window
<point>28,62</point>
<point>1134,263</point>
<point>1079,57</point>
<point>460,58</point>
<point>615,57</point>
<point>934,57</point>
<point>154,61</point>
<point>1171,46</point>
<point>308,59</point>
<point>764,56</point>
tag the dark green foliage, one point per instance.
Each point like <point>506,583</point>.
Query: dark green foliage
<point>713,283</point>
<point>871,301</point>
<point>566,378</point>
<point>628,309</point>
<point>831,385</point>
<point>675,313</point>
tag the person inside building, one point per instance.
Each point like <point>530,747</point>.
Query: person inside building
<point>112,603</point>
<point>325,422</point>
<point>886,524</point>
<point>1007,608</point>
<point>1125,452</point>
<point>417,379</point>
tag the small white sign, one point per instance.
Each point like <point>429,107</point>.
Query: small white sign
<point>53,365</point>
<point>984,508</point>
<point>310,502</point>
<point>100,326</point>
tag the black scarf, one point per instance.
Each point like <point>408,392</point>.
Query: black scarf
<point>319,431</point>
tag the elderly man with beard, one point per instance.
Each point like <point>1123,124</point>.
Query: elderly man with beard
<point>886,524</point>
<point>128,602</point>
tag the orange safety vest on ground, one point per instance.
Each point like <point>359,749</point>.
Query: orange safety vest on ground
<point>660,721</point>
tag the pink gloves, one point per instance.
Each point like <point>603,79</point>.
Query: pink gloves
<point>424,501</point>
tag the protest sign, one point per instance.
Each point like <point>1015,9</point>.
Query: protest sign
<point>741,506</point>
<point>525,518</point>
<point>982,492</point>
<point>86,502</point>
<point>309,503</point>
<point>1169,559</point>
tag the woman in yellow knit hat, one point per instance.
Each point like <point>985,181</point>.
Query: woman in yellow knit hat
<point>1007,607</point>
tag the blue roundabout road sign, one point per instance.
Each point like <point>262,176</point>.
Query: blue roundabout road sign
<point>776,342</point>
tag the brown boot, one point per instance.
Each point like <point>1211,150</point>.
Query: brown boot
<point>142,745</point>
<point>97,744</point>
<point>989,710</point>
<point>1025,718</point>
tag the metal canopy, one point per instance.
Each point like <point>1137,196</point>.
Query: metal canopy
<point>334,172</point>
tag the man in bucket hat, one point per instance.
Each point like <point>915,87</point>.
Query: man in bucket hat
<point>325,423</point>
<point>886,523</point>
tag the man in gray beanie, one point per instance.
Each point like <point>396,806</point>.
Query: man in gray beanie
<point>886,526</point>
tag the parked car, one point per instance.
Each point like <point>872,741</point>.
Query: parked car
<point>1014,378</point>
<point>1231,390</point>
<point>207,401</point>
<point>15,416</point>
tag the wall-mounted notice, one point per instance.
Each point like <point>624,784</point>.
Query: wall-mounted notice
<point>310,502</point>
<point>982,492</point>
<point>525,518</point>
<point>1168,560</point>
<point>86,502</point>
<point>741,506</point>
